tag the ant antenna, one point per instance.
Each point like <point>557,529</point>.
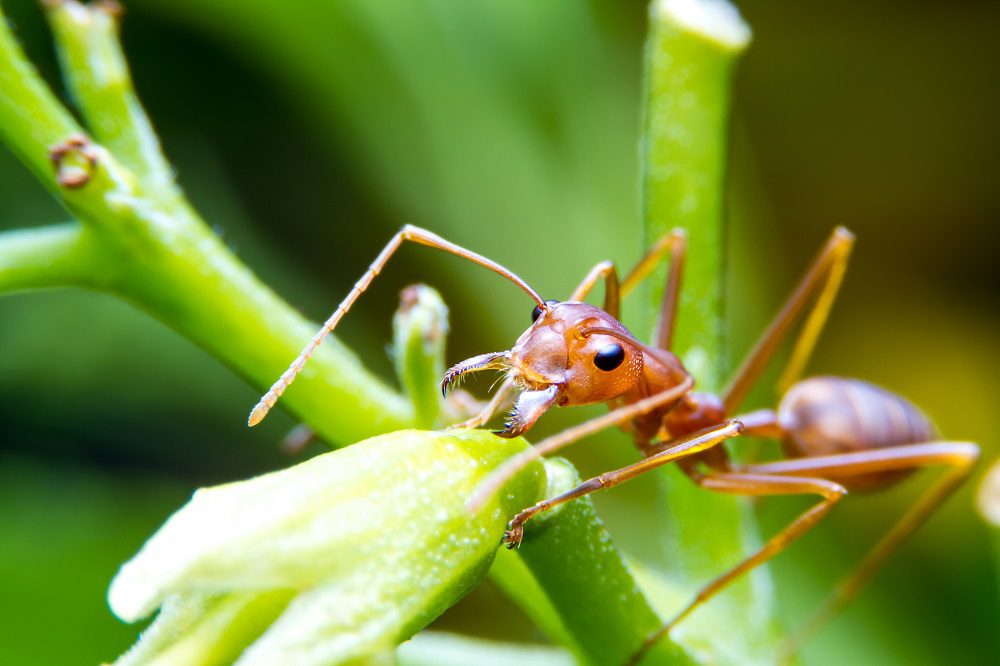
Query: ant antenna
<point>407,233</point>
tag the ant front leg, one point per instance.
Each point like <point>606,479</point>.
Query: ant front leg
<point>612,301</point>
<point>674,244</point>
<point>496,404</point>
<point>689,446</point>
<point>509,469</point>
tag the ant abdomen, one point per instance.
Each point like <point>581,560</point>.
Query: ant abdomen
<point>824,416</point>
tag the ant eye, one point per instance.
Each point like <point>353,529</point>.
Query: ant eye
<point>610,357</point>
<point>537,312</point>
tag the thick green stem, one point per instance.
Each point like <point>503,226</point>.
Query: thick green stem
<point>690,55</point>
<point>692,49</point>
<point>153,248</point>
<point>574,570</point>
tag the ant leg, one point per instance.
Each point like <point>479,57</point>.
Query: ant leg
<point>688,446</point>
<point>407,233</point>
<point>506,471</point>
<point>755,484</point>
<point>496,404</point>
<point>673,243</point>
<point>822,281</point>
<point>958,456</point>
<point>297,439</point>
<point>606,270</point>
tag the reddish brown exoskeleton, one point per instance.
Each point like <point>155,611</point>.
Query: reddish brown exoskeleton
<point>837,434</point>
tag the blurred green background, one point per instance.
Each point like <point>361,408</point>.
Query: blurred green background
<point>306,135</point>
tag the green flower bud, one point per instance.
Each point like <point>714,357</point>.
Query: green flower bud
<point>420,327</point>
<point>369,543</point>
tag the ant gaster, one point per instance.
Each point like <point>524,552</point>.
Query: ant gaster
<point>837,434</point>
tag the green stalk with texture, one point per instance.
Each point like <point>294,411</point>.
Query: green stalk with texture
<point>691,53</point>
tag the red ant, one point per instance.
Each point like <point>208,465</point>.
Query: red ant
<point>837,434</point>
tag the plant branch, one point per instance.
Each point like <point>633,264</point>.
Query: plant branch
<point>157,252</point>
<point>55,256</point>
<point>97,76</point>
<point>30,116</point>
<point>572,567</point>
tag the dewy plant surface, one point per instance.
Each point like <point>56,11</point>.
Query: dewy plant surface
<point>346,555</point>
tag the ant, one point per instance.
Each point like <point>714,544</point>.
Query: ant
<point>837,434</point>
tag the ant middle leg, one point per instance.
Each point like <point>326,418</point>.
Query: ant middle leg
<point>821,282</point>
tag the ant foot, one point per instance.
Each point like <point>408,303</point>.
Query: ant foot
<point>512,537</point>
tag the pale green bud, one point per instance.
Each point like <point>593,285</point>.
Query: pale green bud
<point>369,543</point>
<point>420,327</point>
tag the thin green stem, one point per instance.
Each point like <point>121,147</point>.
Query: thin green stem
<point>31,118</point>
<point>98,78</point>
<point>55,256</point>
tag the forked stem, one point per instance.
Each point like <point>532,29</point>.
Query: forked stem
<point>142,242</point>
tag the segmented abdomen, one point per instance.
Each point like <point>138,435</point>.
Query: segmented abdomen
<point>829,415</point>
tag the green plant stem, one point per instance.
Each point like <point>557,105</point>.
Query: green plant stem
<point>29,115</point>
<point>605,617</point>
<point>97,75</point>
<point>150,247</point>
<point>690,56</point>
<point>46,257</point>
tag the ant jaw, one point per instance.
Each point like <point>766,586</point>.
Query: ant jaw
<point>492,361</point>
<point>530,405</point>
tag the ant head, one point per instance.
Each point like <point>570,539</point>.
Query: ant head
<point>580,348</point>
<point>573,354</point>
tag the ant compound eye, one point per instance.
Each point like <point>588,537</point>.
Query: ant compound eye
<point>609,357</point>
<point>537,312</point>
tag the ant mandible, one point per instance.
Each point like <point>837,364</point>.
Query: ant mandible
<point>837,434</point>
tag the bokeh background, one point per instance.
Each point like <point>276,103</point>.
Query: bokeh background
<point>307,133</point>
